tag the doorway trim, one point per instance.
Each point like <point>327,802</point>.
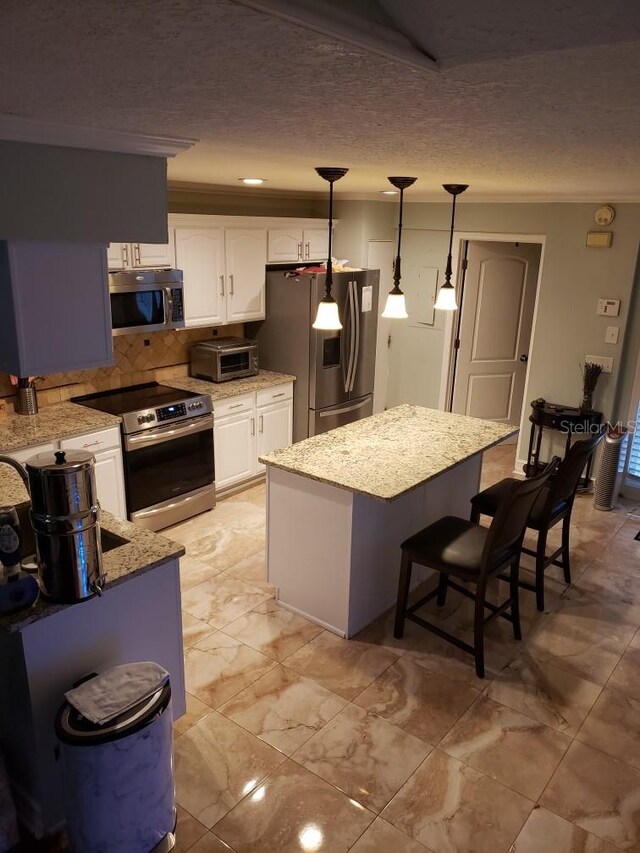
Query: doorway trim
<point>459,239</point>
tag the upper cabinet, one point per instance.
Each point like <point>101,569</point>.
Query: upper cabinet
<point>246,255</point>
<point>297,244</point>
<point>123,256</point>
<point>55,313</point>
<point>200,256</point>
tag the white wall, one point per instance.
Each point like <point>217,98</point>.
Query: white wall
<point>573,278</point>
<point>55,193</point>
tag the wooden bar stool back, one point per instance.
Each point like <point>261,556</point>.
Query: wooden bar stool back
<point>460,548</point>
<point>554,504</point>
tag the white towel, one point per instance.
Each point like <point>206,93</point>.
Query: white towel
<point>112,692</point>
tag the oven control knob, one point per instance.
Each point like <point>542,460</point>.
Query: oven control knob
<point>150,418</point>
<point>141,419</point>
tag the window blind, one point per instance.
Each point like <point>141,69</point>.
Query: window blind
<point>634,455</point>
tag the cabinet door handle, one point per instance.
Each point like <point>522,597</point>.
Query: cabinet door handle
<point>307,251</point>
<point>281,394</point>
<point>261,423</point>
<point>299,251</point>
<point>93,444</point>
<point>231,285</point>
<point>136,254</point>
<point>253,426</point>
<point>125,254</point>
<point>221,285</point>
<point>237,406</point>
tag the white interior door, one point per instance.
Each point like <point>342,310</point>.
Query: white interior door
<point>380,257</point>
<point>495,331</point>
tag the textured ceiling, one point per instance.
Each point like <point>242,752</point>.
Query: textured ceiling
<point>532,100</point>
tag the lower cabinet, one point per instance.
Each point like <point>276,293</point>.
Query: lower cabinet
<point>248,427</point>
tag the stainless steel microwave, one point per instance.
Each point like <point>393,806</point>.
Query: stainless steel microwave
<point>146,301</point>
<point>224,359</point>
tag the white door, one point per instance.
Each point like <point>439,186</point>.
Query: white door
<point>155,255</point>
<point>316,244</point>
<point>116,256</point>
<point>200,256</point>
<point>246,257</point>
<point>110,482</point>
<point>234,445</point>
<point>284,244</point>
<point>275,429</point>
<point>380,257</point>
<point>495,332</point>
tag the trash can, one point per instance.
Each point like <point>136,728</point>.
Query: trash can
<point>611,470</point>
<point>118,781</point>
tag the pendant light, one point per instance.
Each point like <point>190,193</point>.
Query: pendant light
<point>396,308</point>
<point>327,316</point>
<point>446,300</point>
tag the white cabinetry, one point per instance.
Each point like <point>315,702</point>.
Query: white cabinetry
<point>105,446</point>
<point>245,256</point>
<point>121,256</point>
<point>224,274</point>
<point>247,426</point>
<point>200,256</point>
<point>297,244</point>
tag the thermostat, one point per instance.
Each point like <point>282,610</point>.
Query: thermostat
<point>609,307</point>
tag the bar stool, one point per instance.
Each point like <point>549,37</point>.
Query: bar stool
<point>455,546</point>
<point>554,504</point>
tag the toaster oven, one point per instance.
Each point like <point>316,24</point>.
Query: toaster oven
<point>224,359</point>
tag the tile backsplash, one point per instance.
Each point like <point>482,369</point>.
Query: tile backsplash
<point>158,356</point>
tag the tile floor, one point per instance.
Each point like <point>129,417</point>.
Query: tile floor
<point>296,740</point>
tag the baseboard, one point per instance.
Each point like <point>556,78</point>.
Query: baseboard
<point>240,487</point>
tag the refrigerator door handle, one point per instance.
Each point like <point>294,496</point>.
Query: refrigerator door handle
<point>356,345</point>
<point>346,409</point>
<point>352,338</point>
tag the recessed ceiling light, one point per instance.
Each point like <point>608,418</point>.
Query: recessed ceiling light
<point>389,192</point>
<point>252,181</point>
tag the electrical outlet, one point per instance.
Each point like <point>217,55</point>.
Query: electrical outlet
<point>611,336</point>
<point>607,363</point>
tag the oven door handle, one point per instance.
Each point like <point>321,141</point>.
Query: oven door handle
<point>168,433</point>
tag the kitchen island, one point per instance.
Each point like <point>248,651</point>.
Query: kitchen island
<point>46,648</point>
<point>339,505</point>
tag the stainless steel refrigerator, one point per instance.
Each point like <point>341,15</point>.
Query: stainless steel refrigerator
<point>334,370</point>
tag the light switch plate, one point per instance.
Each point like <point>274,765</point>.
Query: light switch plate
<point>611,336</point>
<point>609,307</point>
<point>607,363</point>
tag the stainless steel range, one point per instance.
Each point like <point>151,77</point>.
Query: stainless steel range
<point>167,440</point>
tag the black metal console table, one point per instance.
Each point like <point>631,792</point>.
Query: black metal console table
<point>564,419</point>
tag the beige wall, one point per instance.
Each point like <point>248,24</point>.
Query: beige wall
<point>573,278</point>
<point>166,355</point>
<point>359,222</point>
<point>55,193</point>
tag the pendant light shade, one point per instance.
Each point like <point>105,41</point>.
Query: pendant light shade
<point>446,300</point>
<point>396,308</point>
<point>327,316</point>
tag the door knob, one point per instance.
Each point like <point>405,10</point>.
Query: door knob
<point>524,358</point>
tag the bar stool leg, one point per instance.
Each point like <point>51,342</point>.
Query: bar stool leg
<point>443,585</point>
<point>566,564</point>
<point>514,590</point>
<point>478,628</point>
<point>541,554</point>
<point>404,584</point>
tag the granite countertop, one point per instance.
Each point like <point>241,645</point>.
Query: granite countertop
<point>61,420</point>
<point>234,387</point>
<point>388,454</point>
<point>144,551</point>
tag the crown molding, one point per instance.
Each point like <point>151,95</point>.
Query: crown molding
<point>241,190</point>
<point>499,198</point>
<point>19,129</point>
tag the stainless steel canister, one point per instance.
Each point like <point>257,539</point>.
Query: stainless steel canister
<point>65,516</point>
